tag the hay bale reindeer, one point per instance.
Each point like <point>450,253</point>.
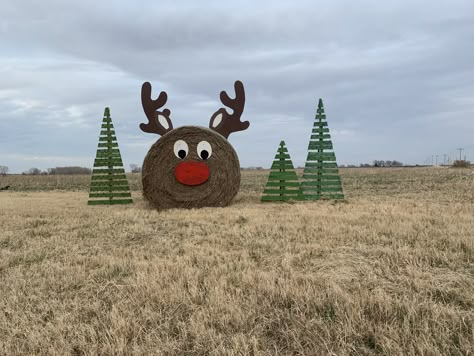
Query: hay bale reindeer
<point>191,166</point>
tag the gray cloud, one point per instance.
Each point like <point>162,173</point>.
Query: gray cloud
<point>396,76</point>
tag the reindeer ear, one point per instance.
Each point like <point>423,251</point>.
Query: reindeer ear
<point>216,119</point>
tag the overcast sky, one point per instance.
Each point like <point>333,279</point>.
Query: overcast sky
<point>396,76</point>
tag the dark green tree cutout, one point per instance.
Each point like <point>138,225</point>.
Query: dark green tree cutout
<point>283,182</point>
<point>109,183</point>
<point>321,178</point>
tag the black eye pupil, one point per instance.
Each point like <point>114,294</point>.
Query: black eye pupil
<point>204,154</point>
<point>182,154</point>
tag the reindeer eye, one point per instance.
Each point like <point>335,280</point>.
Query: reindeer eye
<point>204,150</point>
<point>181,149</point>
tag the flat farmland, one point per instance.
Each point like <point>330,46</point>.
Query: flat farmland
<point>388,271</point>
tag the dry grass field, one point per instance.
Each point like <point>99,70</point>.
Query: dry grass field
<point>389,271</point>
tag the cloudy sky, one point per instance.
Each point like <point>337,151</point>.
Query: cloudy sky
<point>396,76</point>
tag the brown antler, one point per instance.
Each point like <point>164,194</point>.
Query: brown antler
<point>159,122</point>
<point>224,123</point>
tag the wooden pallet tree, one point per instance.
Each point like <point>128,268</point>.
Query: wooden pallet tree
<point>109,183</point>
<point>321,178</point>
<point>283,182</point>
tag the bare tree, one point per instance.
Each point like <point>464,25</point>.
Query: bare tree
<point>135,168</point>
<point>3,170</point>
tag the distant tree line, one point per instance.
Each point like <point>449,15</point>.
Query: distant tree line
<point>375,163</point>
<point>58,170</point>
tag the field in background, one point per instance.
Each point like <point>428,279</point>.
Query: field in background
<point>389,271</point>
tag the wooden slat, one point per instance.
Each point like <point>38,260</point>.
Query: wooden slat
<point>324,177</point>
<point>318,131</point>
<point>105,183</point>
<point>319,196</point>
<point>282,165</point>
<point>107,171</point>
<point>320,124</point>
<point>107,126</point>
<point>282,155</point>
<point>322,189</point>
<point>107,139</point>
<point>316,156</point>
<point>283,176</point>
<point>282,191</point>
<point>320,170</point>
<point>109,188</point>
<point>115,144</point>
<point>282,149</point>
<point>321,183</point>
<point>315,145</point>
<point>320,137</point>
<point>106,162</point>
<point>107,132</point>
<point>278,198</point>
<point>109,177</point>
<point>109,195</point>
<point>282,184</point>
<point>321,164</point>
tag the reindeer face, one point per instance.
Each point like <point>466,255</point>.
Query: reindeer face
<point>191,166</point>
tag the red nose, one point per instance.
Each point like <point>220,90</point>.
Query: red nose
<point>191,172</point>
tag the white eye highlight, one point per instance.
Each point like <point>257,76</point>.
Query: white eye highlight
<point>180,149</point>
<point>204,150</point>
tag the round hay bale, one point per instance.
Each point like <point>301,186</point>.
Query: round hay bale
<point>190,167</point>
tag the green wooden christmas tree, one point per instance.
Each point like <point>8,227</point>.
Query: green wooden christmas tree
<point>283,182</point>
<point>109,183</point>
<point>321,178</point>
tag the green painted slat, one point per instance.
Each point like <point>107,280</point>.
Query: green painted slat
<point>282,155</point>
<point>320,146</point>
<point>318,131</point>
<point>107,132</point>
<point>110,188</point>
<point>322,189</point>
<point>320,170</point>
<point>323,197</point>
<point>109,177</point>
<point>105,183</point>
<point>106,171</point>
<point>115,144</point>
<point>316,156</point>
<point>321,164</point>
<point>98,202</point>
<point>275,198</point>
<point>107,139</point>
<point>282,149</point>
<point>320,137</point>
<point>109,195</point>
<point>283,176</point>
<point>107,163</point>
<point>322,177</point>
<point>320,124</point>
<point>282,165</point>
<point>321,183</point>
<point>113,155</point>
<point>282,184</point>
<point>107,126</point>
<point>282,191</point>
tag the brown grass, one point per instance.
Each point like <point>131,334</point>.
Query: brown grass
<point>387,272</point>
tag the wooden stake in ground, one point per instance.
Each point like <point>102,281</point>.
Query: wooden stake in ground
<point>109,183</point>
<point>283,182</point>
<point>321,178</point>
